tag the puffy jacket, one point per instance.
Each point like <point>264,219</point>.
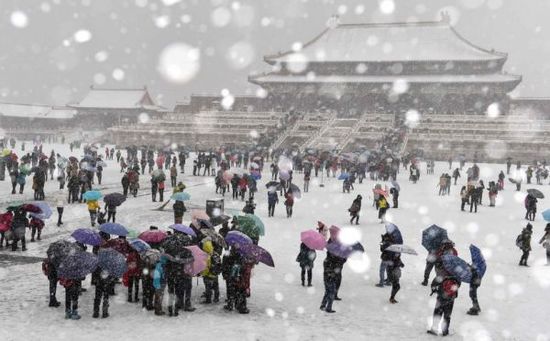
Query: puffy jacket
<point>37,223</point>
<point>208,247</point>
<point>306,257</point>
<point>158,275</point>
<point>19,223</point>
<point>93,205</point>
<point>382,202</point>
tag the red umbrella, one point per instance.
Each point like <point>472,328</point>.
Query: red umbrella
<point>5,221</point>
<point>120,245</point>
<point>31,208</point>
<point>153,236</point>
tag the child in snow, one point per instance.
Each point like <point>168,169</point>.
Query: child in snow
<point>133,275</point>
<point>93,207</point>
<point>382,208</point>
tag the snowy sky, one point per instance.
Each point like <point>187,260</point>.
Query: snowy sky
<point>51,51</point>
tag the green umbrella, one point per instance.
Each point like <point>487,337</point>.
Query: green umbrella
<point>258,222</point>
<point>247,226</point>
<point>132,233</point>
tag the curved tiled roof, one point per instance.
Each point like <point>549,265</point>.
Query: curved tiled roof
<point>389,42</point>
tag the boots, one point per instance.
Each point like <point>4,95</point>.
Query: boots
<point>54,303</point>
<point>74,315</point>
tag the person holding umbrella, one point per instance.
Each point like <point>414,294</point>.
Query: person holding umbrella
<point>306,259</point>
<point>447,292</point>
<point>332,266</point>
<point>385,259</point>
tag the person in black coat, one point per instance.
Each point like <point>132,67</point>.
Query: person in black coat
<point>447,291</point>
<point>355,209</point>
<point>19,225</point>
<point>125,181</point>
<point>394,274</point>
<point>332,267</point>
<point>475,282</point>
<point>385,258</point>
<point>306,258</point>
<point>179,210</point>
<point>395,196</point>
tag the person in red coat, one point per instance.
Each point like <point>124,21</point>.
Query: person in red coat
<point>133,275</point>
<point>289,203</point>
<point>36,226</point>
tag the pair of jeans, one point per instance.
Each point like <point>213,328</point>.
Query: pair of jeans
<point>330,293</point>
<point>382,271</point>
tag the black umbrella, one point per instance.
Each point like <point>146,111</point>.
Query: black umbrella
<point>175,245</point>
<point>59,250</point>
<point>114,199</point>
<point>536,193</point>
<point>272,184</point>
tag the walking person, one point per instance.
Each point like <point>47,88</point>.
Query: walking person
<point>385,259</point>
<point>475,282</point>
<point>289,203</point>
<point>104,285</point>
<point>355,209</point>
<point>93,207</point>
<point>545,242</point>
<point>60,205</point>
<point>523,241</point>
<point>331,268</point>
<point>447,292</point>
<point>394,274</point>
<point>382,208</point>
<point>272,200</point>
<point>111,212</point>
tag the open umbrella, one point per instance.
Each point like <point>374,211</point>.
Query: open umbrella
<point>181,196</point>
<point>432,237</point>
<point>132,233</point>
<point>184,229</point>
<point>343,176</point>
<point>77,265</point>
<point>395,184</point>
<point>119,244</point>
<point>153,236</point>
<point>5,221</point>
<point>199,262</point>
<point>254,165</point>
<point>256,175</point>
<point>536,193</point>
<point>114,199</point>
<point>296,192</point>
<point>62,162</point>
<point>546,215</point>
<point>215,237</point>
<point>400,248</point>
<point>92,195</point>
<point>247,225</point>
<point>457,267</point>
<point>394,232</point>
<point>87,236</point>
<point>59,250</point>
<point>114,228</point>
<point>274,184</point>
<point>514,181</point>
<point>313,239</point>
<point>31,208</point>
<point>175,244</point>
<point>111,262</point>
<point>237,238</point>
<point>284,175</point>
<point>45,210</point>
<point>258,222</point>
<point>339,249</point>
<point>197,215</point>
<point>255,253</point>
<point>139,245</point>
<point>478,261</point>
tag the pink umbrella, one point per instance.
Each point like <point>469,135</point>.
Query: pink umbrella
<point>313,239</point>
<point>380,191</point>
<point>197,215</point>
<point>227,175</point>
<point>334,231</point>
<point>199,261</point>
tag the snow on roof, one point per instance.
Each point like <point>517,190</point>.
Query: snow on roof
<point>118,99</point>
<point>483,78</point>
<point>389,42</point>
<point>35,111</point>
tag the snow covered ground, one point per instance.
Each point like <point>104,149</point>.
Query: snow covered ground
<point>513,299</point>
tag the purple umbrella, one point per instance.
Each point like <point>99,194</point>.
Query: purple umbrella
<point>237,238</point>
<point>185,229</point>
<point>77,265</point>
<point>255,253</point>
<point>112,262</point>
<point>114,228</point>
<point>87,236</point>
<point>340,250</point>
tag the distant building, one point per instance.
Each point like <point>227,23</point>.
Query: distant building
<point>29,121</point>
<point>103,108</point>
<point>387,68</point>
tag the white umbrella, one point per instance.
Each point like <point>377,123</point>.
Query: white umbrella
<point>401,249</point>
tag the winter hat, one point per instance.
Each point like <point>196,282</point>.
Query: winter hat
<point>359,197</point>
<point>529,226</point>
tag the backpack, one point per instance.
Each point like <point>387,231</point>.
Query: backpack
<point>519,241</point>
<point>215,264</point>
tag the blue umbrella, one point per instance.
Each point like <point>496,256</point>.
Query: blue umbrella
<point>181,196</point>
<point>92,195</point>
<point>255,175</point>
<point>139,245</point>
<point>184,229</point>
<point>112,262</point>
<point>432,237</point>
<point>237,238</point>
<point>44,207</point>
<point>478,261</point>
<point>457,267</point>
<point>343,176</point>
<point>114,228</point>
<point>394,232</point>
<point>87,236</point>
<point>77,265</point>
<point>546,215</point>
